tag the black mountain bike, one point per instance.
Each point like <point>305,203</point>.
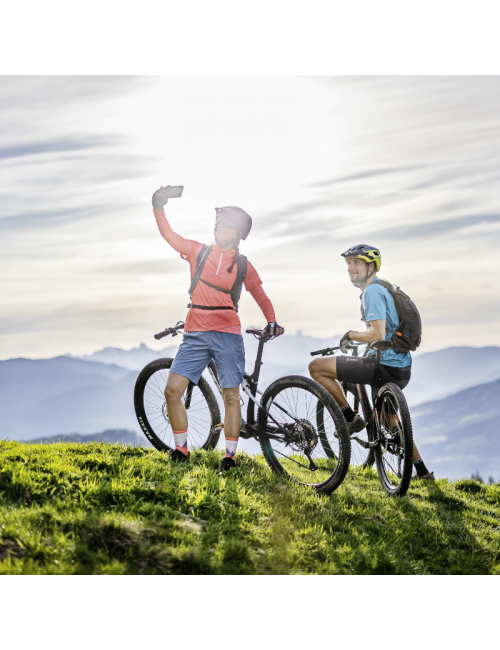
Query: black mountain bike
<point>387,439</point>
<point>285,423</point>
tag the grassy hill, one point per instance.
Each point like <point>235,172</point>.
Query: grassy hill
<point>100,508</point>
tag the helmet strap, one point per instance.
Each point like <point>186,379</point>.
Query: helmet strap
<point>361,284</point>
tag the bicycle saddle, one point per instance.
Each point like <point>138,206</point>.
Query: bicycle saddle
<point>381,345</point>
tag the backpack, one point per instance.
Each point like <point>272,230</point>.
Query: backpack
<point>408,334</point>
<point>235,292</point>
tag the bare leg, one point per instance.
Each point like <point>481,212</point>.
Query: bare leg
<point>232,417</point>
<point>174,390</point>
<point>416,453</point>
<point>324,371</point>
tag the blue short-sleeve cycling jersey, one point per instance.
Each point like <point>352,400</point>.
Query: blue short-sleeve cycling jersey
<point>379,304</point>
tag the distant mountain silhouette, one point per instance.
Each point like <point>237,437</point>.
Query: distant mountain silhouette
<point>133,359</point>
<point>444,372</point>
<point>123,436</point>
<point>44,396</point>
<point>460,434</point>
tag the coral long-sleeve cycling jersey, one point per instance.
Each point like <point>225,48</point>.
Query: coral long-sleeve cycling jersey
<point>214,272</point>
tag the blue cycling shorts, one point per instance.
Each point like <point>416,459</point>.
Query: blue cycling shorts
<point>196,350</point>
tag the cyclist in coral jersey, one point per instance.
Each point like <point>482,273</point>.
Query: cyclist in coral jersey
<point>212,328</point>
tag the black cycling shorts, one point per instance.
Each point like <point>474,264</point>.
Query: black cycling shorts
<point>361,370</point>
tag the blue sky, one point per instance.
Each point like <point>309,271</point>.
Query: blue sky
<point>409,164</point>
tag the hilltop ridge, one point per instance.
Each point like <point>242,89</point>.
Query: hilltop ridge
<point>111,509</point>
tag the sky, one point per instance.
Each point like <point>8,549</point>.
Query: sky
<point>408,164</point>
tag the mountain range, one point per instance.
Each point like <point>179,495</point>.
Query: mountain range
<point>459,434</point>
<point>453,395</point>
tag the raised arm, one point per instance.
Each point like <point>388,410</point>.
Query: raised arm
<point>177,242</point>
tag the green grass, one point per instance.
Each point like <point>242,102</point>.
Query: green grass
<point>109,509</point>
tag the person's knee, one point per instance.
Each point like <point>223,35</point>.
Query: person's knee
<point>315,368</point>
<point>231,398</point>
<point>173,393</point>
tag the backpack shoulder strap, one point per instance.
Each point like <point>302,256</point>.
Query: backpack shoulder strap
<point>385,284</point>
<point>392,288</point>
<point>200,263</point>
<point>242,265</point>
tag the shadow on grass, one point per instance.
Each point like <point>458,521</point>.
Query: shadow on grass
<point>359,529</point>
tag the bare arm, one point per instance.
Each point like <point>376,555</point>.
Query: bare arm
<point>177,242</point>
<point>375,332</point>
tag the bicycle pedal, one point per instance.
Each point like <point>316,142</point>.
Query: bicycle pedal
<point>219,427</point>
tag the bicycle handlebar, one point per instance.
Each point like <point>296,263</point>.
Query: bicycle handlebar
<point>260,334</point>
<point>329,351</point>
<point>325,351</point>
<point>170,330</point>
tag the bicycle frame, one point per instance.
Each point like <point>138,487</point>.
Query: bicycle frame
<point>372,419</point>
<point>249,428</point>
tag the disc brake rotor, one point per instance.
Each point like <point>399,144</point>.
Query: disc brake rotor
<point>305,437</point>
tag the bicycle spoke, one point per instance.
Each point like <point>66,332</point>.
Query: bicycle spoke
<point>198,413</point>
<point>295,454</point>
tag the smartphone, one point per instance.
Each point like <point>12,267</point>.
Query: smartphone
<point>174,191</point>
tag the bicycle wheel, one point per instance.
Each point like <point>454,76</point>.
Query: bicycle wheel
<point>360,456</point>
<point>151,409</point>
<point>392,426</point>
<point>291,401</point>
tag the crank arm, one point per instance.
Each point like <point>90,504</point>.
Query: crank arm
<point>254,432</point>
<point>366,445</point>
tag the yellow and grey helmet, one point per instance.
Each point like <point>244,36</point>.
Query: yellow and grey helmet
<point>364,252</point>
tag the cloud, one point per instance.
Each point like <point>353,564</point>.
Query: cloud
<point>370,173</point>
<point>160,267</point>
<point>54,146</point>
<point>441,227</point>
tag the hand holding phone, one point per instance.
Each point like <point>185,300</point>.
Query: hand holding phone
<point>161,196</point>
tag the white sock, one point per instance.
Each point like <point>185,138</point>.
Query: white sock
<point>231,447</point>
<point>181,441</point>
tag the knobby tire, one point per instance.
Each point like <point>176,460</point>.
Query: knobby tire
<point>150,409</point>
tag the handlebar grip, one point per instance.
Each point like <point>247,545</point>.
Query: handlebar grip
<point>313,354</point>
<point>162,334</point>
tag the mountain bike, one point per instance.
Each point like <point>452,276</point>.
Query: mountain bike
<point>387,439</point>
<point>282,421</point>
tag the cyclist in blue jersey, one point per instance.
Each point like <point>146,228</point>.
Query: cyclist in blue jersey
<point>380,315</point>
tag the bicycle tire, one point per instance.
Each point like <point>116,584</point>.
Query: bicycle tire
<point>282,457</point>
<point>151,413</point>
<point>360,457</point>
<point>394,460</point>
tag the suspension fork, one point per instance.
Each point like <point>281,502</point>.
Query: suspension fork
<point>189,395</point>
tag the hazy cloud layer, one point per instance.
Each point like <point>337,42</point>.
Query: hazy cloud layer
<point>411,165</point>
